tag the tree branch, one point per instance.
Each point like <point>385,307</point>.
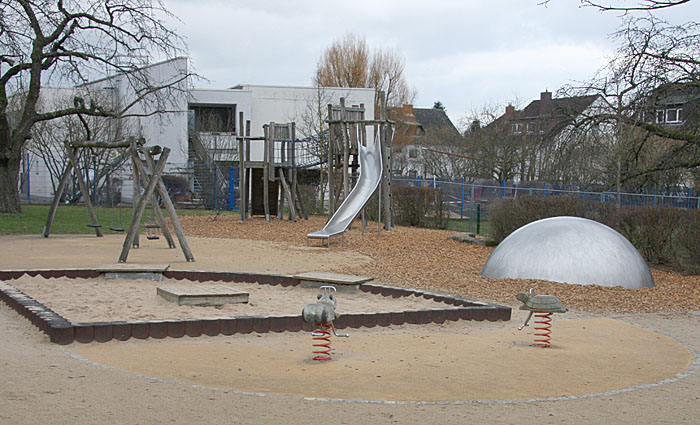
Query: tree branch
<point>643,5</point>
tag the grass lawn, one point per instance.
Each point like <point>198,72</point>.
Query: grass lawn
<point>74,219</point>
<point>463,225</point>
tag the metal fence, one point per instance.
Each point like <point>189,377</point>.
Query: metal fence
<point>217,188</point>
<point>469,202</point>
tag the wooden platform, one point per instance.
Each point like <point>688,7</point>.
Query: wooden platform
<point>341,282</point>
<point>202,295</point>
<point>133,271</point>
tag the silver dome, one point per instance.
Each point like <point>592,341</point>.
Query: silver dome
<point>569,250</point>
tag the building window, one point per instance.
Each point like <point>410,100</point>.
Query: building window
<point>669,115</point>
<point>412,153</point>
<point>216,119</point>
<point>660,116</point>
<point>517,128</point>
<point>530,128</point>
<point>673,115</point>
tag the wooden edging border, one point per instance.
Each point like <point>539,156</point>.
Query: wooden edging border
<point>63,332</point>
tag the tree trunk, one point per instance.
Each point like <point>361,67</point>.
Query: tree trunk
<point>9,192</point>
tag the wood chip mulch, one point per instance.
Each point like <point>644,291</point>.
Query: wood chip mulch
<point>428,259</point>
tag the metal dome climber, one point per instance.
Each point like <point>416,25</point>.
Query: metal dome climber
<point>569,250</point>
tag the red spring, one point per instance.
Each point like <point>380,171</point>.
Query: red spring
<point>543,329</point>
<point>322,341</point>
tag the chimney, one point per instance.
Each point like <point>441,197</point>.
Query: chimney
<point>545,102</point>
<point>408,109</point>
<point>510,112</point>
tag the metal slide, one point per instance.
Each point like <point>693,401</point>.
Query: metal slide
<point>367,182</point>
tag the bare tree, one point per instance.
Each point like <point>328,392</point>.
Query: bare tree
<point>656,63</point>
<point>347,62</point>
<point>312,124</point>
<point>644,5</point>
<point>490,139</point>
<point>48,140</point>
<point>624,5</point>
<point>444,154</point>
<point>61,42</point>
<point>386,73</point>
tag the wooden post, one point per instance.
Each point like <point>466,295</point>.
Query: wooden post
<point>143,200</point>
<point>302,207</point>
<point>281,194</point>
<point>346,148</point>
<point>156,208</point>
<point>57,196</point>
<point>296,194</point>
<point>331,157</point>
<point>247,159</point>
<point>242,184</point>
<point>288,194</point>
<point>384,131</point>
<point>136,183</point>
<point>389,199</point>
<point>84,190</point>
<point>170,208</point>
<point>268,129</point>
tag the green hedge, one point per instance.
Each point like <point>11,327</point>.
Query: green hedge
<point>664,236</point>
<point>419,206</point>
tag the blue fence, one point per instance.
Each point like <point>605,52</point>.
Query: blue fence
<point>470,201</point>
<point>460,192</point>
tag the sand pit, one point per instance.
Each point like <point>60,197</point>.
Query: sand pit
<point>411,363</point>
<point>100,300</point>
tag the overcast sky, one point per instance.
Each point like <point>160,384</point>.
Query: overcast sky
<point>464,53</point>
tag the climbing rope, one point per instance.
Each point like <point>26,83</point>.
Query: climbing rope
<point>301,153</point>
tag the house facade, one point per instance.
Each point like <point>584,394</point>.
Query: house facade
<point>539,141</point>
<point>675,106</point>
<point>424,140</point>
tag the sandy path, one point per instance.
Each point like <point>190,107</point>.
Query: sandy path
<point>42,383</point>
<point>240,255</point>
<point>462,362</point>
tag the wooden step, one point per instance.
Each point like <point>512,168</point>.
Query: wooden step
<point>202,295</point>
<point>341,282</point>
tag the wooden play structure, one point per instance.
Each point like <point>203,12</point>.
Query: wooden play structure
<point>272,181</point>
<point>148,176</point>
<point>277,170</point>
<point>348,128</point>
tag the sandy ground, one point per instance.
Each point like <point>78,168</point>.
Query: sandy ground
<point>610,368</point>
<point>96,300</point>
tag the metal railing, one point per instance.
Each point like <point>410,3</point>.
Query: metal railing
<point>469,201</point>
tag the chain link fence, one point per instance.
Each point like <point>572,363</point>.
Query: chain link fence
<point>465,205</point>
<point>468,204</point>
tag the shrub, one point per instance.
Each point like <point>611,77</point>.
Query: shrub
<point>419,206</point>
<point>509,214</point>
<point>309,198</point>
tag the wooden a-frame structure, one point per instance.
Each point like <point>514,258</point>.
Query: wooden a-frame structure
<point>151,177</point>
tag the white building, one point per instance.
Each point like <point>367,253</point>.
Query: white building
<point>185,110</point>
